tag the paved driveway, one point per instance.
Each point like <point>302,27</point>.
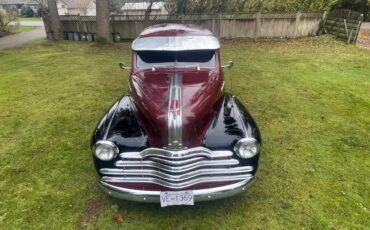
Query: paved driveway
<point>20,39</point>
<point>364,36</point>
<point>366,25</point>
<point>23,23</point>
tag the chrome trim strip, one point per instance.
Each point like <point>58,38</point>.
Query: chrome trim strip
<point>178,169</point>
<point>181,185</point>
<point>175,178</point>
<point>174,115</point>
<point>110,122</point>
<point>199,195</point>
<point>241,117</point>
<point>176,155</point>
<point>176,43</point>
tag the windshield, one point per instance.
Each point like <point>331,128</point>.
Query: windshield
<point>189,58</point>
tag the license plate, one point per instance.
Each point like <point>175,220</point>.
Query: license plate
<point>176,198</point>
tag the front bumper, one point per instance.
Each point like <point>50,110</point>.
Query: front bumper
<point>199,195</point>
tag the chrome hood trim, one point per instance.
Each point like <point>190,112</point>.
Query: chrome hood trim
<point>175,114</point>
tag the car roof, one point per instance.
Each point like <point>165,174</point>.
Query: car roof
<point>175,37</point>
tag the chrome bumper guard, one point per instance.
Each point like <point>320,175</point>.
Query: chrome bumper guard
<point>199,195</point>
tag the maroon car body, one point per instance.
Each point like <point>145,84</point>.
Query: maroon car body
<point>177,130</point>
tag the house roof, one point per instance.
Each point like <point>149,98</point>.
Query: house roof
<point>74,4</point>
<point>142,5</point>
<point>15,2</point>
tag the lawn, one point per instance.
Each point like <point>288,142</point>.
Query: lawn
<point>34,19</point>
<point>310,98</point>
<point>19,29</point>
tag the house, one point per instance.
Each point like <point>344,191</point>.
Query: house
<point>18,4</point>
<point>75,7</point>
<point>139,8</point>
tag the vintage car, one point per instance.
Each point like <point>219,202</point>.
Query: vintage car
<point>177,138</point>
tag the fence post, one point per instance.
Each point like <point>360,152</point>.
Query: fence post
<point>358,28</point>
<point>257,24</point>
<point>78,23</point>
<point>214,24</point>
<point>297,20</point>
<point>324,17</point>
<point>219,24</point>
<point>112,23</point>
<point>345,26</point>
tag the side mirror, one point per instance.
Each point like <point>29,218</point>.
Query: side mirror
<point>122,65</point>
<point>229,65</point>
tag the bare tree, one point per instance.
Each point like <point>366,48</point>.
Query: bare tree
<point>103,21</point>
<point>55,22</point>
<point>83,5</point>
<point>148,11</point>
<point>42,6</point>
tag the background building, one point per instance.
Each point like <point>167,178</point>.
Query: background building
<point>139,8</point>
<point>74,7</point>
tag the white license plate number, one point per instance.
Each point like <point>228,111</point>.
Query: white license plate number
<point>176,198</point>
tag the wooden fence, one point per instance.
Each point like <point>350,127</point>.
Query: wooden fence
<point>344,24</point>
<point>250,25</point>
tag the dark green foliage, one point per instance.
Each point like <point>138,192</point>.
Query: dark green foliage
<point>362,6</point>
<point>115,5</point>
<point>27,11</point>
<point>240,6</point>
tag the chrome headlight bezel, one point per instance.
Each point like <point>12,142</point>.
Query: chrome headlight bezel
<point>253,144</point>
<point>108,145</point>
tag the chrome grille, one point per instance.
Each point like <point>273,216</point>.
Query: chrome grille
<point>176,169</point>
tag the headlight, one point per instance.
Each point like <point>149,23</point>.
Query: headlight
<point>105,150</point>
<point>247,148</point>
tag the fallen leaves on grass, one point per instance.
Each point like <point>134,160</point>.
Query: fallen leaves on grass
<point>116,216</point>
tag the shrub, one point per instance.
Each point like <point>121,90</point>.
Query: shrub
<point>7,18</point>
<point>27,11</point>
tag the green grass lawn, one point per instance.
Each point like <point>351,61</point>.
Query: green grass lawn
<point>35,19</point>
<point>19,29</point>
<point>310,98</point>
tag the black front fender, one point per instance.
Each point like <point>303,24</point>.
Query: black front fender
<point>232,123</point>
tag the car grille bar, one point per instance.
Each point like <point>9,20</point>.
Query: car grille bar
<point>176,169</point>
<point>169,168</point>
<point>176,178</point>
<point>176,155</point>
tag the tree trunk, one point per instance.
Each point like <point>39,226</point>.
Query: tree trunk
<point>102,21</point>
<point>55,22</point>
<point>1,28</point>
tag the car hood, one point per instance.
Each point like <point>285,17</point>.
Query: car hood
<point>200,92</point>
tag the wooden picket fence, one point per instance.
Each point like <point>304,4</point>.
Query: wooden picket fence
<point>247,25</point>
<point>344,24</point>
